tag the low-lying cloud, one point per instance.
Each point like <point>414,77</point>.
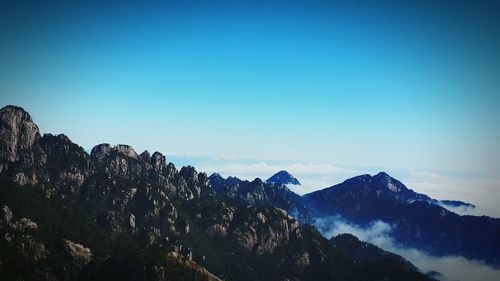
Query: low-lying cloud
<point>480,190</point>
<point>462,210</point>
<point>451,268</point>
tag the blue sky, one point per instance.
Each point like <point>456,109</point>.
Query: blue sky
<point>373,84</point>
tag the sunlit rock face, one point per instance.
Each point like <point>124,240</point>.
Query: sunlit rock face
<point>18,132</point>
<point>263,235</point>
<point>79,254</point>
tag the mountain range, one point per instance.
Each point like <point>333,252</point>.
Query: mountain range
<point>116,214</point>
<point>419,221</point>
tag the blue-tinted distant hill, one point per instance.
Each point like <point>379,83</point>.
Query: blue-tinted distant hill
<point>282,177</point>
<point>418,220</point>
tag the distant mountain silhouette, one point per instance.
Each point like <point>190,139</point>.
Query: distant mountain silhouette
<point>259,193</point>
<point>418,220</point>
<point>282,177</point>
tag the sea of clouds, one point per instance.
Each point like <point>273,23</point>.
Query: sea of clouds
<point>450,268</point>
<point>480,190</point>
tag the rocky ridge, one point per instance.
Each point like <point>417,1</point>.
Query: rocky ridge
<point>145,209</point>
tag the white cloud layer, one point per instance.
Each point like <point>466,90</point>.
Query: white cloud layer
<point>482,191</point>
<point>379,233</point>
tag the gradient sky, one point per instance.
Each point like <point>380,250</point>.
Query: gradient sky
<point>379,84</point>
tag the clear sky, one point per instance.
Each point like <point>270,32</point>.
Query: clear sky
<point>379,84</point>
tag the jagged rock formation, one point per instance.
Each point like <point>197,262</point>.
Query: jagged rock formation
<point>259,193</point>
<point>128,211</point>
<point>111,182</point>
<point>23,236</point>
<point>257,230</point>
<point>79,254</point>
<point>18,132</point>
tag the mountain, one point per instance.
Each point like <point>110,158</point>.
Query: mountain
<point>418,220</point>
<point>365,252</point>
<point>259,193</point>
<point>282,177</point>
<point>116,214</point>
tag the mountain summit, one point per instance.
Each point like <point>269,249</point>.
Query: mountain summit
<point>282,177</point>
<point>418,221</point>
<point>17,132</point>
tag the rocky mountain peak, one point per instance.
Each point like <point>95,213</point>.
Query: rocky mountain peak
<point>386,181</point>
<point>145,156</point>
<point>215,176</point>
<point>158,161</point>
<point>257,182</point>
<point>383,177</point>
<point>216,179</point>
<point>17,132</point>
<point>100,151</point>
<point>127,150</point>
<point>188,172</point>
<point>359,180</point>
<point>282,177</point>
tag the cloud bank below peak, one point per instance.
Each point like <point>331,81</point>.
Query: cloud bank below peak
<point>448,268</point>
